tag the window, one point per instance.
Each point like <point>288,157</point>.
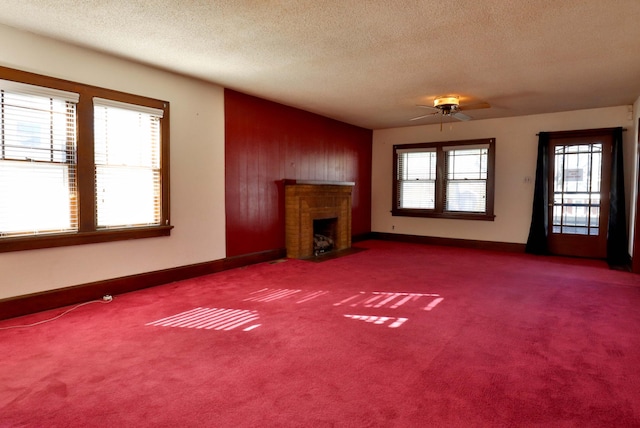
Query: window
<point>79,164</point>
<point>37,160</point>
<point>127,159</point>
<point>446,179</point>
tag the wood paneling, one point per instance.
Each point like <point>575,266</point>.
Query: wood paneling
<point>265,143</point>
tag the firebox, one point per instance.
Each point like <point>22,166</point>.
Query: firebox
<point>324,235</point>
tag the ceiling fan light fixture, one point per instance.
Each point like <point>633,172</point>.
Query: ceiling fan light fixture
<point>449,106</point>
<point>446,102</point>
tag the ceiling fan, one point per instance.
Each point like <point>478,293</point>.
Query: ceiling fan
<point>449,105</point>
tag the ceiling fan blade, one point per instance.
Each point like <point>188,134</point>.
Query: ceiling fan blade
<point>429,107</point>
<point>476,106</point>
<point>422,117</point>
<point>461,116</point>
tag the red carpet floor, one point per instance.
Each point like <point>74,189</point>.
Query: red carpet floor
<point>399,335</point>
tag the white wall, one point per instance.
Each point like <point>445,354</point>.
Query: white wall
<point>516,151</point>
<point>197,171</point>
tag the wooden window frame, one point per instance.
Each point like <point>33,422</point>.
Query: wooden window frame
<point>441,182</point>
<point>87,232</point>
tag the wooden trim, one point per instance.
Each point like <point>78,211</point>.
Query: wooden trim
<point>52,240</point>
<point>23,305</point>
<point>451,242</point>
<point>362,237</point>
<point>293,182</point>
<point>439,210</point>
<point>87,232</point>
<point>37,302</point>
<point>409,212</point>
<point>254,258</point>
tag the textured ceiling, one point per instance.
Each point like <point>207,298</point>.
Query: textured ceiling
<point>369,63</point>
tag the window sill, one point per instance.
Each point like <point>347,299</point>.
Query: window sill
<point>449,215</point>
<point>80,238</point>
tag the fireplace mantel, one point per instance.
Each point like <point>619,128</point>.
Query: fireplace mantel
<point>291,182</point>
<point>306,201</point>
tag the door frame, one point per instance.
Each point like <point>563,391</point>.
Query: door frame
<point>589,246</point>
<point>635,262</point>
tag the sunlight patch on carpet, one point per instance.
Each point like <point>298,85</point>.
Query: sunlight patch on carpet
<point>392,300</point>
<point>272,294</point>
<point>211,319</point>
<point>392,322</point>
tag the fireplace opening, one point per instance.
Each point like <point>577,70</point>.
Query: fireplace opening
<point>324,235</point>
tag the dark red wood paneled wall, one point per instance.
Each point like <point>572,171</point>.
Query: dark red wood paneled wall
<point>266,142</point>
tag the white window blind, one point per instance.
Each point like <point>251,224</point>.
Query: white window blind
<point>38,189</point>
<point>127,164</point>
<point>466,181</point>
<point>416,178</point>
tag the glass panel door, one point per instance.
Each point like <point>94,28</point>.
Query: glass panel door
<point>579,195</point>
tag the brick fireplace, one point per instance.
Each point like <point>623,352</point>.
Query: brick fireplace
<point>323,203</point>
